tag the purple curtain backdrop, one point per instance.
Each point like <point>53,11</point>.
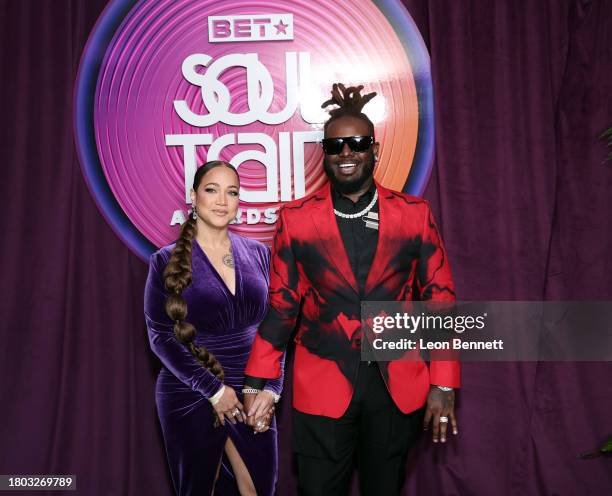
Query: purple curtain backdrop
<point>522,90</point>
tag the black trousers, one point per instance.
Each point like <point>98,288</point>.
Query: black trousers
<point>373,432</point>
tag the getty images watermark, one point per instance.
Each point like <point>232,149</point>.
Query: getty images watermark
<point>487,331</point>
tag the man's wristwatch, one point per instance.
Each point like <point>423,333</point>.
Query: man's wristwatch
<point>250,390</point>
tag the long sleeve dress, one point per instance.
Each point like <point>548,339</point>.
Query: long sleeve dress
<point>226,324</point>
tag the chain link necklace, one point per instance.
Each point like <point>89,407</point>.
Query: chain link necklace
<point>359,214</point>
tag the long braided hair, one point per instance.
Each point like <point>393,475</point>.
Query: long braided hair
<point>177,276</point>
<point>350,102</point>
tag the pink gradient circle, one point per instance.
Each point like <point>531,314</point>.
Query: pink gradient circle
<point>140,78</point>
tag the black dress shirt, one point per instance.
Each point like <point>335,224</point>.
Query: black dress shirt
<point>359,240</point>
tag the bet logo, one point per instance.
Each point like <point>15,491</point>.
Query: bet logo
<point>263,27</point>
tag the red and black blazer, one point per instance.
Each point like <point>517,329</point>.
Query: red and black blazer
<point>310,277</point>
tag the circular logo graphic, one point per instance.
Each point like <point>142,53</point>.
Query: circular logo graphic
<point>166,85</point>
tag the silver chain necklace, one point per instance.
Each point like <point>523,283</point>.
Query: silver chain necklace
<point>359,214</point>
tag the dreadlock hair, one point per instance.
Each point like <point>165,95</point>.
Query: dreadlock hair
<point>177,276</point>
<point>350,102</point>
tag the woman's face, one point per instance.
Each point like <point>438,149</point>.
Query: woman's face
<point>216,199</point>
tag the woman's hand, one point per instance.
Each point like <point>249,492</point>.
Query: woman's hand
<point>260,408</point>
<point>229,406</point>
<point>262,424</point>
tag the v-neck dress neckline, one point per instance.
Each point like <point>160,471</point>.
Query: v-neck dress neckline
<point>213,269</point>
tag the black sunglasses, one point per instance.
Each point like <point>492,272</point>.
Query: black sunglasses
<point>357,144</point>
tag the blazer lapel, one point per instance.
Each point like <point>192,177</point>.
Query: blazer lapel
<point>390,220</point>
<point>329,236</point>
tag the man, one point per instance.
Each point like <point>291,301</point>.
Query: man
<point>353,240</point>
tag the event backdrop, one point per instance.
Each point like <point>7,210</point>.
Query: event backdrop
<point>164,86</point>
<point>521,91</point>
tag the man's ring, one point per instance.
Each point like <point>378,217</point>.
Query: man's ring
<point>260,424</point>
<point>236,412</point>
<point>444,420</point>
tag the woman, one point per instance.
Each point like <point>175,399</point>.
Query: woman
<point>205,296</point>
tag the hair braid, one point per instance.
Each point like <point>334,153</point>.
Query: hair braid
<point>349,101</point>
<point>177,276</point>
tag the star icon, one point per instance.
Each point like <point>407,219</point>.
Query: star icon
<point>281,27</point>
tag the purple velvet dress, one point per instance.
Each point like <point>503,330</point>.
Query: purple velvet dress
<point>226,325</point>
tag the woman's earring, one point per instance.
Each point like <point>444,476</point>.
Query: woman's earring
<point>194,213</point>
<point>375,158</point>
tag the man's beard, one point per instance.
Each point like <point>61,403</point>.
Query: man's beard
<point>350,186</point>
